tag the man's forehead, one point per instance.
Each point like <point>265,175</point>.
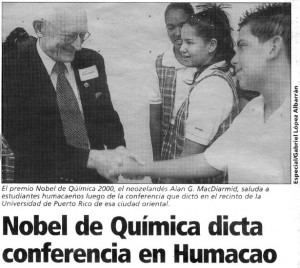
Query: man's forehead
<point>49,11</point>
<point>245,34</point>
<point>66,17</point>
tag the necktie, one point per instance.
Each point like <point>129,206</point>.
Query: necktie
<point>71,116</point>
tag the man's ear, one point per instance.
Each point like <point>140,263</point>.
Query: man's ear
<point>276,46</point>
<point>38,27</point>
<point>212,45</point>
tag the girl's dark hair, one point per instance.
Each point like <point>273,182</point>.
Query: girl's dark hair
<point>186,7</point>
<point>212,22</point>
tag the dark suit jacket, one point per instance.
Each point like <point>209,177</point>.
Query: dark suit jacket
<point>32,123</point>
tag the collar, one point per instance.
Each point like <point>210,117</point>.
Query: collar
<point>256,108</point>
<point>47,61</point>
<point>210,69</point>
<point>169,59</point>
<point>283,112</point>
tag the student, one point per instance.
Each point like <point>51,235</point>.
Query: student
<point>166,86</point>
<point>256,147</point>
<point>210,102</point>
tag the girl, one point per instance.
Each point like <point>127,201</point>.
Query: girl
<point>211,102</point>
<point>166,85</point>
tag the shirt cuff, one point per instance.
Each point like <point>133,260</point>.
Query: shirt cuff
<point>154,102</point>
<point>195,138</point>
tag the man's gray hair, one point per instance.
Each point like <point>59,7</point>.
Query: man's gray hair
<point>53,12</point>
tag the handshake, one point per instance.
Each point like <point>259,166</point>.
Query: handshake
<point>111,163</point>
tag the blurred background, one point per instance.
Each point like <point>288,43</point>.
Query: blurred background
<point>129,36</point>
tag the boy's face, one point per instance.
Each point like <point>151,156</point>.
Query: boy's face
<point>175,18</point>
<point>250,60</point>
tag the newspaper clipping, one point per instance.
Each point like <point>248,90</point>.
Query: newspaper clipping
<point>158,134</point>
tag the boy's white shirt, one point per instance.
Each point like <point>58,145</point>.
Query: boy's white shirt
<point>252,150</point>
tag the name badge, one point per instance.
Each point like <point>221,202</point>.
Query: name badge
<point>88,73</point>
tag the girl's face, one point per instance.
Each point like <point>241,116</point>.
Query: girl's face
<point>194,49</point>
<point>175,18</point>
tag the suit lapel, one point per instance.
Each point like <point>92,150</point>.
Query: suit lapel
<point>44,86</point>
<point>86,90</point>
<point>43,101</point>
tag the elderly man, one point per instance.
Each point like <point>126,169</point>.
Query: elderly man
<point>57,113</point>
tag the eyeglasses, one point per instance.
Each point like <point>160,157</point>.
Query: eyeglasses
<point>70,38</point>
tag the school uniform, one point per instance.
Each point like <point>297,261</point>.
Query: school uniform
<point>199,111</point>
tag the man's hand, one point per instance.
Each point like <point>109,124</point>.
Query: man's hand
<point>108,162</point>
<point>130,169</point>
<point>129,159</point>
<point>105,163</point>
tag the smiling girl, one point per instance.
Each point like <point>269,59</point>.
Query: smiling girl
<point>211,102</point>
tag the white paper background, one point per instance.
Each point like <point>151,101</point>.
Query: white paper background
<point>130,36</point>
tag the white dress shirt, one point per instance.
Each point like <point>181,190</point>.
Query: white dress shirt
<point>49,64</point>
<point>252,150</point>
